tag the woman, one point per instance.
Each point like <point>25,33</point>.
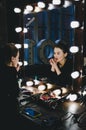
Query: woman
<point>9,85</point>
<point>61,65</point>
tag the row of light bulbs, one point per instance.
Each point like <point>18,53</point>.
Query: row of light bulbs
<point>54,4</point>
<point>39,6</point>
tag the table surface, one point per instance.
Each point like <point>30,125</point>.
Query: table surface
<point>56,113</point>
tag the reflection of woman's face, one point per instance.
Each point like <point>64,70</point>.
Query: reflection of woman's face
<point>59,55</point>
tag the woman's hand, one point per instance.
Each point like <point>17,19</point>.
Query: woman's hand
<point>18,67</point>
<point>54,66</point>
<point>52,61</point>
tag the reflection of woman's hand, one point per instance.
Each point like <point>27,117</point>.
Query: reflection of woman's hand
<point>52,61</point>
<point>54,66</point>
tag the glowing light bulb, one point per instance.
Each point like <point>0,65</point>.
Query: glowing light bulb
<point>74,49</point>
<point>41,87</point>
<point>29,83</point>
<point>75,74</point>
<point>74,24</point>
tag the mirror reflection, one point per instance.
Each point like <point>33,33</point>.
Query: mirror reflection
<point>43,27</point>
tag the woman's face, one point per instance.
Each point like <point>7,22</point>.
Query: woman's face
<point>15,60</point>
<point>59,55</point>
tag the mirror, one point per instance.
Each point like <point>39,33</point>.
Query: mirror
<point>45,27</point>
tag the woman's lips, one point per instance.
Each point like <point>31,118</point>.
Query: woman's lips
<point>56,59</point>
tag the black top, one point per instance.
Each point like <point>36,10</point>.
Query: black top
<point>9,81</point>
<point>9,92</point>
<point>64,79</point>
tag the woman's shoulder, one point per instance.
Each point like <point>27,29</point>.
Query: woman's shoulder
<point>6,70</point>
<point>69,64</point>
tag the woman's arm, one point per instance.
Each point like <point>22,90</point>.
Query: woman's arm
<point>54,67</point>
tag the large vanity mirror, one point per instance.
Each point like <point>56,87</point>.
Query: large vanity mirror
<point>43,27</point>
<point>46,27</point>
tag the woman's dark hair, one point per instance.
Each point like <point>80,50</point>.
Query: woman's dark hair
<point>63,46</point>
<point>8,51</point>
